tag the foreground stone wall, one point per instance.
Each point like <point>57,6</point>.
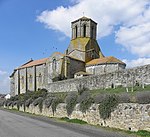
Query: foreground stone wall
<point>125,78</point>
<point>127,116</point>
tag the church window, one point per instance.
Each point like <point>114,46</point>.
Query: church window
<point>76,31</point>
<point>84,30</point>
<point>54,65</point>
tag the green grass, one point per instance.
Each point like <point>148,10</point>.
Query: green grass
<point>140,133</point>
<point>77,121</point>
<point>120,90</point>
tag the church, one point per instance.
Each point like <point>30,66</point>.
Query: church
<point>83,57</point>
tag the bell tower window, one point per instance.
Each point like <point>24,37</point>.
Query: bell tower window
<point>76,31</point>
<point>84,30</point>
<point>54,64</point>
<point>92,32</point>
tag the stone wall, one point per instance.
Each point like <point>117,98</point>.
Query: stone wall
<point>125,78</point>
<point>127,116</point>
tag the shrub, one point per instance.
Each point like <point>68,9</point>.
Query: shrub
<point>28,102</point>
<point>40,93</point>
<point>2,102</point>
<point>124,98</point>
<point>107,106</point>
<point>37,101</point>
<point>99,98</point>
<point>81,88</point>
<point>54,105</point>
<point>85,101</point>
<point>71,101</point>
<point>48,102</point>
<point>143,97</point>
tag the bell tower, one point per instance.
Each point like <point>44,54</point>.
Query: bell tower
<point>84,28</point>
<point>83,45</point>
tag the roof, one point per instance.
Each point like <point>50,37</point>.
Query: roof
<point>83,18</point>
<point>74,58</point>
<point>33,63</point>
<point>105,60</point>
<point>59,53</point>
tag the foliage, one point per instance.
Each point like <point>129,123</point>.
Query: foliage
<point>28,102</point>
<point>107,106</point>
<point>37,101</point>
<point>81,88</point>
<point>71,101</point>
<point>143,133</point>
<point>124,98</point>
<point>55,103</point>
<point>143,97</point>
<point>2,102</point>
<point>85,101</point>
<point>48,102</point>
<point>78,121</point>
<point>99,98</point>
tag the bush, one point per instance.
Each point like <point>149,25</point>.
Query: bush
<point>48,102</point>
<point>40,93</point>
<point>71,101</point>
<point>124,98</point>
<point>107,106</point>
<point>99,98</point>
<point>54,105</point>
<point>81,88</point>
<point>2,102</point>
<point>37,101</point>
<point>28,102</point>
<point>143,97</point>
<point>85,101</point>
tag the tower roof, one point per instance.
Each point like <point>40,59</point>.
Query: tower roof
<point>83,18</point>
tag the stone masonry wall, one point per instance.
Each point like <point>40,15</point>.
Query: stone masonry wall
<point>125,78</point>
<point>127,116</point>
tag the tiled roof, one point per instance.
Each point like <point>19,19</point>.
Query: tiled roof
<point>104,60</point>
<point>33,63</point>
<point>59,53</point>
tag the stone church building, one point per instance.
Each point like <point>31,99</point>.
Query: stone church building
<point>83,57</point>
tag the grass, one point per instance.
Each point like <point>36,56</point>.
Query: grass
<point>77,121</point>
<point>120,90</point>
<point>140,133</point>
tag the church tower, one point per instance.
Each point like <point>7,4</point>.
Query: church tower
<point>84,27</point>
<point>83,45</point>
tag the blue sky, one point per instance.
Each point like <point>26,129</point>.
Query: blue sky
<point>36,28</point>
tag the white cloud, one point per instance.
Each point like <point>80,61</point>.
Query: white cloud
<point>137,62</point>
<point>133,17</point>
<point>3,72</point>
<point>136,39</point>
<point>4,82</point>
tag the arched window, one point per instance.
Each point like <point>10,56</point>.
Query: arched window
<point>76,31</point>
<point>84,30</point>
<point>54,65</point>
<point>92,32</point>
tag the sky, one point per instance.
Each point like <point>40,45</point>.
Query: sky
<point>36,28</point>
